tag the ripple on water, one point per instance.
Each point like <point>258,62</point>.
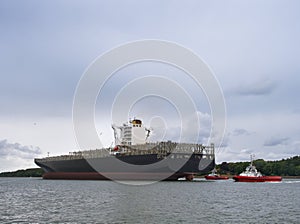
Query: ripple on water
<point>35,200</point>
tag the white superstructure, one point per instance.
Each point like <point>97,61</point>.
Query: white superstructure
<point>251,170</point>
<point>131,133</point>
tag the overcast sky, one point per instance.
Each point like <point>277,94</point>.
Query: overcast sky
<point>252,47</point>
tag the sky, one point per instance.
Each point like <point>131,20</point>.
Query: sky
<point>252,48</point>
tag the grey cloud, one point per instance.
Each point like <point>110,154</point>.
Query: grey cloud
<point>240,131</point>
<point>225,143</point>
<point>295,148</point>
<point>17,150</point>
<point>259,88</point>
<point>44,52</point>
<point>221,140</point>
<point>247,151</point>
<point>274,141</point>
<point>204,126</point>
<point>232,154</point>
<point>186,132</point>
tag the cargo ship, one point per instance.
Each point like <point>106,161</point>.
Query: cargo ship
<point>132,158</point>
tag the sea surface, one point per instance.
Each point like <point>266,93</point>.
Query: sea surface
<point>33,200</point>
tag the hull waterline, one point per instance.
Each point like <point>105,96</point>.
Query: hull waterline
<point>116,176</point>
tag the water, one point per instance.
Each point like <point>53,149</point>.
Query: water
<point>33,200</point>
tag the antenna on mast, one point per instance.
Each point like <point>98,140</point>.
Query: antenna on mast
<point>251,158</point>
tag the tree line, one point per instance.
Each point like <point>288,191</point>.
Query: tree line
<point>33,172</point>
<point>284,167</point>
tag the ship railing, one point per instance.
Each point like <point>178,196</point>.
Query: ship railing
<point>88,154</point>
<point>160,148</point>
<point>164,148</point>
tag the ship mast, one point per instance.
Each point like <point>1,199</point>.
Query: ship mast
<point>251,159</point>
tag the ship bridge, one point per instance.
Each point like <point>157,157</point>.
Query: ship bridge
<point>131,133</point>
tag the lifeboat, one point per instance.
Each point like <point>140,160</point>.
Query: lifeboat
<point>214,176</point>
<point>252,175</point>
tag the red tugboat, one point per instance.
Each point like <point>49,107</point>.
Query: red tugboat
<point>252,175</point>
<point>214,176</point>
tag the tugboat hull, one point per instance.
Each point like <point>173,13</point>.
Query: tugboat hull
<point>216,177</point>
<point>257,179</point>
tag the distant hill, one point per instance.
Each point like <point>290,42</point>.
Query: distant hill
<point>33,172</point>
<point>284,167</point>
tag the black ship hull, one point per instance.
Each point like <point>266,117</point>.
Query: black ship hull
<point>128,167</point>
